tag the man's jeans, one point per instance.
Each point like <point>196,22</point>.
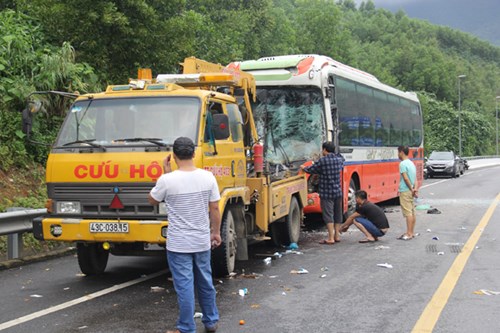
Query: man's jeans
<point>190,271</point>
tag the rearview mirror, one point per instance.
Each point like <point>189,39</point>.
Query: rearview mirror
<point>220,126</point>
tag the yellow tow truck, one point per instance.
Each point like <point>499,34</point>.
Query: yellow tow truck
<point>109,151</point>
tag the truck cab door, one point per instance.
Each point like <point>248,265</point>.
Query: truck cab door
<point>223,150</point>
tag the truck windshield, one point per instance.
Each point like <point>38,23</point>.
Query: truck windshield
<point>291,121</point>
<point>130,121</point>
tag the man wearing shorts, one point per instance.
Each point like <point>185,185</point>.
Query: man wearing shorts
<point>407,191</point>
<point>329,168</point>
<point>369,218</point>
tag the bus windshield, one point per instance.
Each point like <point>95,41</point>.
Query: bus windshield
<point>290,120</point>
<point>124,121</point>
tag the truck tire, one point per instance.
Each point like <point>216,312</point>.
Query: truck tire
<point>287,230</point>
<point>92,258</point>
<point>293,221</point>
<point>351,198</point>
<point>224,256</point>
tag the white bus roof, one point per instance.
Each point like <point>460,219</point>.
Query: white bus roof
<point>294,70</point>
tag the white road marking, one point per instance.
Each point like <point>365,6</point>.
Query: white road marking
<point>82,299</point>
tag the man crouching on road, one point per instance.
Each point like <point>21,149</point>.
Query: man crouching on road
<point>369,218</point>
<point>192,231</point>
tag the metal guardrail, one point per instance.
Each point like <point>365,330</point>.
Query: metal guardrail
<point>14,223</point>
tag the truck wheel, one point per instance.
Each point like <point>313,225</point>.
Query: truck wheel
<point>224,256</point>
<point>92,258</point>
<point>293,221</point>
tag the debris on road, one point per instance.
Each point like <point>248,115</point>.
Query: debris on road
<point>434,211</point>
<point>242,322</point>
<point>324,269</point>
<point>267,261</point>
<point>429,230</point>
<point>435,238</point>
<point>36,296</point>
<point>386,265</point>
<point>423,207</point>
<point>300,271</point>
<point>198,315</point>
<point>381,247</point>
<point>441,253</point>
<point>157,289</point>
<point>293,246</point>
<point>255,306</point>
<point>243,292</point>
<point>323,276</point>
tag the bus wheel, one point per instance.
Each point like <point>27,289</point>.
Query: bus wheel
<point>293,221</point>
<point>224,256</point>
<point>351,198</point>
<point>92,258</point>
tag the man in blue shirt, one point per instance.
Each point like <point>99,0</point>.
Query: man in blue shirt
<point>407,191</point>
<point>329,168</point>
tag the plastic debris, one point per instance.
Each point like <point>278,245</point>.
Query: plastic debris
<point>255,306</point>
<point>423,207</point>
<point>324,269</point>
<point>487,292</point>
<point>198,315</point>
<point>283,293</point>
<point>386,265</point>
<point>381,247</point>
<point>293,246</point>
<point>232,274</point>
<point>157,289</point>
<point>66,288</point>
<point>323,276</point>
<point>243,292</point>
<point>293,252</point>
<point>300,271</point>
<point>277,255</point>
<point>273,276</point>
<point>36,296</point>
<point>429,230</point>
<point>435,238</point>
<point>242,322</point>
<point>82,327</point>
<point>441,253</point>
<point>267,261</point>
<point>462,228</point>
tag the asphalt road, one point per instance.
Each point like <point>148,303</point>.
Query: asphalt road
<point>344,291</point>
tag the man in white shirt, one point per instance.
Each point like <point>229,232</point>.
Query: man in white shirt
<point>192,199</point>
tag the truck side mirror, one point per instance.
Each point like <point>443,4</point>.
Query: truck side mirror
<point>220,126</point>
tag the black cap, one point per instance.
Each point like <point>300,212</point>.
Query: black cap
<point>183,147</point>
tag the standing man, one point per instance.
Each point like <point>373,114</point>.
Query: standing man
<point>407,191</point>
<point>192,201</point>
<point>369,218</point>
<point>329,168</point>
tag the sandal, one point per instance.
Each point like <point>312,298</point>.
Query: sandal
<point>326,242</point>
<point>404,237</point>
<point>367,240</point>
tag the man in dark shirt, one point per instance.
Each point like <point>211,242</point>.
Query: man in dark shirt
<point>369,218</point>
<point>329,168</point>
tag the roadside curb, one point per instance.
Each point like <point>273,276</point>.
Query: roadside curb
<point>13,263</point>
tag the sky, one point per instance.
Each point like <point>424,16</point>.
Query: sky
<point>480,18</point>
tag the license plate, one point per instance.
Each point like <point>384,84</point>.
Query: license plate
<point>109,227</point>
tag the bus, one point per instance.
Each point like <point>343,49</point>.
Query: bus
<point>304,100</point>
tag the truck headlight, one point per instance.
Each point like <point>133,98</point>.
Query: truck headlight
<point>68,207</point>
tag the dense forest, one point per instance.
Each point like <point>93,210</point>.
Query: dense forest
<point>71,45</point>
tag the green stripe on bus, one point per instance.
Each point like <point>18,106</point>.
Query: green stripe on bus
<point>273,77</point>
<point>269,64</point>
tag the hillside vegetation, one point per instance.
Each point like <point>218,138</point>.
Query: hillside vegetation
<point>82,45</point>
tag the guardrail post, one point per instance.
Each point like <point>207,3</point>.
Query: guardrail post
<point>14,241</point>
<point>14,246</point>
